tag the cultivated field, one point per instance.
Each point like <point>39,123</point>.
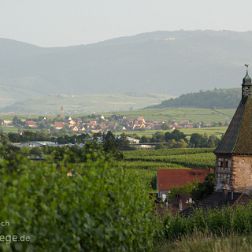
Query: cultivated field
<point>145,163</point>
<point>179,114</point>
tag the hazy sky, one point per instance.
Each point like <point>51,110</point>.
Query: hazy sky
<point>68,22</point>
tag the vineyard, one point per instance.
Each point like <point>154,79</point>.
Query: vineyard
<point>169,158</point>
<point>145,163</point>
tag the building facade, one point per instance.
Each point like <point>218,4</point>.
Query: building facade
<point>233,168</point>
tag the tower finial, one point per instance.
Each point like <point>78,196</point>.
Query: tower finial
<point>246,65</point>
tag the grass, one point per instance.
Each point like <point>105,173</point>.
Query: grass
<point>208,243</point>
<point>216,230</point>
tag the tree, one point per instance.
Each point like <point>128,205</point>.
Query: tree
<point>157,137</point>
<point>123,142</point>
<point>109,142</point>
<point>17,122</point>
<point>198,141</point>
<point>144,139</point>
<point>175,135</point>
<point>204,189</point>
<point>213,141</point>
<point>181,144</point>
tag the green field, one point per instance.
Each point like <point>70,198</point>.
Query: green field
<point>179,114</point>
<point>218,131</point>
<point>8,129</point>
<point>145,163</point>
<point>169,158</point>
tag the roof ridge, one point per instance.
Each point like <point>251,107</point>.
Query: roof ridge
<point>239,132</point>
<point>230,138</point>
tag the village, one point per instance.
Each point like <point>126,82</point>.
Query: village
<point>99,123</point>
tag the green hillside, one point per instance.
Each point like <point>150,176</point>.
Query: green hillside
<point>217,98</point>
<point>83,104</point>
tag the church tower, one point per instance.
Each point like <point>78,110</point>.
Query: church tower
<point>233,168</point>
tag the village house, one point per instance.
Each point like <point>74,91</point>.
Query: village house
<point>58,125</point>
<point>139,123</point>
<point>92,124</point>
<point>7,123</point>
<point>133,140</point>
<point>168,179</point>
<point>31,124</point>
<point>71,122</point>
<point>75,129</point>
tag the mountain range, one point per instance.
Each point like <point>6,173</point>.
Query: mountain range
<point>167,62</point>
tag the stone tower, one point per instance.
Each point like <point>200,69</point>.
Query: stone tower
<point>233,168</point>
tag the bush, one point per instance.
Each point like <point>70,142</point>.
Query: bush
<point>204,189</point>
<point>97,208</point>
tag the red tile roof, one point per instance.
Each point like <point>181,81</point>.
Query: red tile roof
<point>59,124</point>
<point>171,178</point>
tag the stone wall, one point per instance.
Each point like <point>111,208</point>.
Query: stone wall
<point>242,173</point>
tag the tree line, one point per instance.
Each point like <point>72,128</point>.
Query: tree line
<point>177,139</point>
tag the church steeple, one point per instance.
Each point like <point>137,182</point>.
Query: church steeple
<point>246,84</point>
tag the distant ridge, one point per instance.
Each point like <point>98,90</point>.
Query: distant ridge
<point>166,62</point>
<point>217,98</point>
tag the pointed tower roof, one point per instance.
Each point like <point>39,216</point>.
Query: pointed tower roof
<point>247,78</point>
<point>238,137</point>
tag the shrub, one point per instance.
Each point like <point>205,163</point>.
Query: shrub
<point>98,208</point>
<point>204,189</point>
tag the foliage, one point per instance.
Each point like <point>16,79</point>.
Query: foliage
<point>154,182</point>
<point>203,141</point>
<point>98,208</point>
<point>217,98</point>
<point>176,135</point>
<point>39,135</point>
<point>29,136</point>
<point>193,158</point>
<point>178,139</point>
<point>183,190</point>
<point>204,189</point>
<point>228,220</point>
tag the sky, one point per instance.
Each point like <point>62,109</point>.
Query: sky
<point>72,22</point>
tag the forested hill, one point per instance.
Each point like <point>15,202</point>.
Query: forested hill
<point>217,98</point>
